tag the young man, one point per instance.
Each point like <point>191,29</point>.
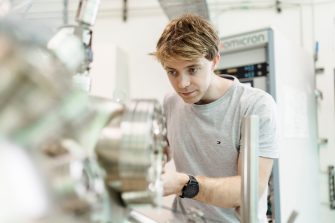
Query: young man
<point>204,123</point>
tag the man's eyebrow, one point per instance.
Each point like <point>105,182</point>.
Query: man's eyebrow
<point>166,67</point>
<point>191,65</point>
<point>194,65</point>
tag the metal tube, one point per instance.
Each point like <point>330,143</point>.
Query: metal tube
<point>249,186</point>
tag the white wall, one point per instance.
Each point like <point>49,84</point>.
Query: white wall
<point>325,32</point>
<point>137,37</point>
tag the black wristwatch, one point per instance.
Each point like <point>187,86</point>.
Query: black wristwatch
<point>191,188</point>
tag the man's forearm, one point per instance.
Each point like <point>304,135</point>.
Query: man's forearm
<point>222,192</point>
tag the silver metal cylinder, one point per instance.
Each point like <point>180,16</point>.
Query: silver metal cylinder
<point>130,150</point>
<point>249,195</point>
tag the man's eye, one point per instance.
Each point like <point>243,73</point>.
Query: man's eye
<point>193,70</point>
<point>171,73</point>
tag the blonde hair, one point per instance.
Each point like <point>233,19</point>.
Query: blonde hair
<point>188,37</point>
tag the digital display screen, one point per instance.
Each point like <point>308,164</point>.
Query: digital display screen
<point>246,71</point>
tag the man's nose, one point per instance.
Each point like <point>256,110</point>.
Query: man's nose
<point>183,81</point>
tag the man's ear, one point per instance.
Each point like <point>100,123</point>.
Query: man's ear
<point>216,61</point>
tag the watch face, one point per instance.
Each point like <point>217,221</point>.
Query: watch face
<point>191,189</point>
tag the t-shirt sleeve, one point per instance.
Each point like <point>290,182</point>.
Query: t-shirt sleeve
<point>265,108</point>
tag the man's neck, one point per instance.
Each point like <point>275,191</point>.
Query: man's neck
<point>217,89</point>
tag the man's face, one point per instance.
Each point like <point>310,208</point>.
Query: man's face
<point>191,79</point>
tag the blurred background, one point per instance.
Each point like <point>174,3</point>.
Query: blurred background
<point>77,75</point>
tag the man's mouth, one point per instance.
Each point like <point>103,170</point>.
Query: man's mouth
<point>186,94</point>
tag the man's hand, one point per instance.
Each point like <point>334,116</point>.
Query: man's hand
<point>173,182</point>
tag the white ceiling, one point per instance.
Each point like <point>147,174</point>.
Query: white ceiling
<point>54,8</point>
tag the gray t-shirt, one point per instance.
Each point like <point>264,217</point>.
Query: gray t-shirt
<point>206,139</point>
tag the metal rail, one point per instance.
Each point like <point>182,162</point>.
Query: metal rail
<point>249,186</point>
